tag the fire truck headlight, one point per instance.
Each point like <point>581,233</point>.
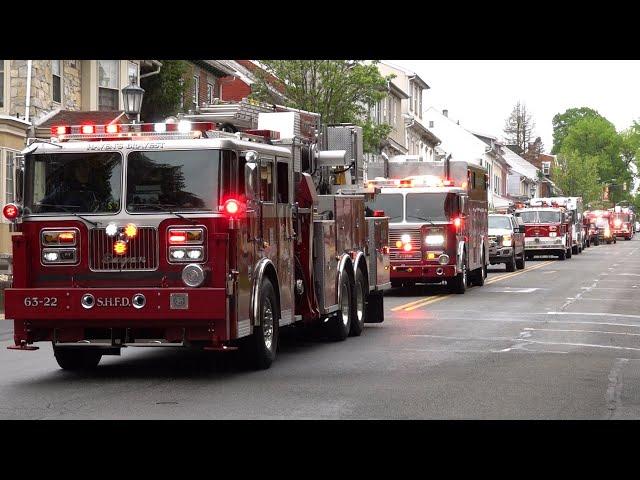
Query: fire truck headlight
<point>506,241</point>
<point>434,239</point>
<point>192,275</point>
<point>111,229</point>
<point>178,253</point>
<point>194,253</point>
<point>50,256</point>
<point>443,259</point>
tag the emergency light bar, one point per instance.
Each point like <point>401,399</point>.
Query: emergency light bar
<point>123,131</point>
<point>414,181</point>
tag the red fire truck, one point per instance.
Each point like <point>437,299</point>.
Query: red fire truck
<point>438,221</point>
<point>573,206</point>
<point>623,224</point>
<point>547,230</point>
<point>204,234</point>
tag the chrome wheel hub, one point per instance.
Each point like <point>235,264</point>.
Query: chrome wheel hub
<point>267,326</point>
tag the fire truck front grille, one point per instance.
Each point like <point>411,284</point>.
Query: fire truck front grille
<point>141,254</point>
<point>398,254</point>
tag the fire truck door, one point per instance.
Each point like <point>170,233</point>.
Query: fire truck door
<point>284,198</point>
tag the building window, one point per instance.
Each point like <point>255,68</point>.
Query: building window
<point>108,85</point>
<point>196,90</point>
<point>1,84</point>
<point>209,94</point>
<point>133,73</point>
<point>56,70</point>
<point>10,157</point>
<point>430,123</point>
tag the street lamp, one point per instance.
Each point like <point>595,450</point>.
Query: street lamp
<point>132,99</point>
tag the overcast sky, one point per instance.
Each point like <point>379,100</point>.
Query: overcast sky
<point>482,93</point>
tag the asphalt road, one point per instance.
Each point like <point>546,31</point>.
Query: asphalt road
<point>560,340</point>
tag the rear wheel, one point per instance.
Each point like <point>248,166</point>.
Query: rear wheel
<point>360,304</point>
<point>77,358</point>
<point>574,250</point>
<point>340,325</point>
<point>569,253</point>
<point>562,255</point>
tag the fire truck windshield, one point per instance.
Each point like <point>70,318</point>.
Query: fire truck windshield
<point>539,216</point>
<point>173,180</point>
<point>430,206</point>
<point>73,182</point>
<point>390,203</point>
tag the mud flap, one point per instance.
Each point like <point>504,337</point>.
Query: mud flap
<point>375,307</point>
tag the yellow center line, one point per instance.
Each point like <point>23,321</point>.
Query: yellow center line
<point>407,307</point>
<point>504,277</point>
<point>427,302</point>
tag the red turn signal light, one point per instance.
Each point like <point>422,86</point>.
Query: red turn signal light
<point>11,211</point>
<point>457,222</point>
<point>232,208</point>
<point>378,213</point>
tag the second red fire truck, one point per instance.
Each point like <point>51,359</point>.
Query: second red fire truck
<point>211,235</point>
<point>438,221</point>
<point>547,230</point>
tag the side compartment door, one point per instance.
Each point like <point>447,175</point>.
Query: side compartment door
<point>285,231</point>
<point>268,228</point>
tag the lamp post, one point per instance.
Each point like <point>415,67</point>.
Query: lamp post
<point>132,99</point>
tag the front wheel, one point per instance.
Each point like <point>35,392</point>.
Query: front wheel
<point>569,253</point>
<point>562,255</point>
<point>520,263</point>
<point>480,274</point>
<point>459,283</point>
<point>77,358</point>
<point>511,264</point>
<point>262,345</point>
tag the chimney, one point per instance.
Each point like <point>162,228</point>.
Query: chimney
<point>445,113</point>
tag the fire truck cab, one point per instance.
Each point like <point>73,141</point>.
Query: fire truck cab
<point>623,224</point>
<point>547,230</point>
<point>191,234</point>
<point>574,208</point>
<point>438,221</point>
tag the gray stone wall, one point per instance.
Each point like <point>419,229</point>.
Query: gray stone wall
<point>41,87</point>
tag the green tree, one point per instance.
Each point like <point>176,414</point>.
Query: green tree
<point>595,136</point>
<point>577,175</point>
<point>342,91</point>
<point>164,91</point>
<point>563,121</point>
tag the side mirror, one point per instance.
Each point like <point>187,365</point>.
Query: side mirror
<point>251,180</point>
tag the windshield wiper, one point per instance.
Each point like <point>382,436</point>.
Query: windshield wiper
<point>425,219</point>
<point>164,205</point>
<point>95,224</point>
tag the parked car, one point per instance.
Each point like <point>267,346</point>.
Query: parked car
<point>506,241</point>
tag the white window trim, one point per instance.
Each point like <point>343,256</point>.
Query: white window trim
<point>210,92</point>
<point>196,89</point>
<point>7,79</point>
<point>3,177</point>
<point>61,102</point>
<point>118,83</point>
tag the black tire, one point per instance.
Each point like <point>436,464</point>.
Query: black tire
<point>511,264</point>
<point>375,308</point>
<point>627,238</point>
<point>562,255</point>
<point>395,284</point>
<point>528,256</point>
<point>520,263</point>
<point>339,326</point>
<point>574,250</point>
<point>459,283</point>
<point>77,358</point>
<point>480,274</point>
<point>569,253</point>
<point>359,305</point>
<point>262,345</point>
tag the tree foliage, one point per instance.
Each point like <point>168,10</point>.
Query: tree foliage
<point>518,128</point>
<point>577,175</point>
<point>164,90</point>
<point>563,121</point>
<point>342,91</point>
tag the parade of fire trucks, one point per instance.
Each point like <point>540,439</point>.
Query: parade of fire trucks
<point>217,229</point>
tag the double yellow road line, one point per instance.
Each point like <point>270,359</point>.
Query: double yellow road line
<point>407,307</point>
